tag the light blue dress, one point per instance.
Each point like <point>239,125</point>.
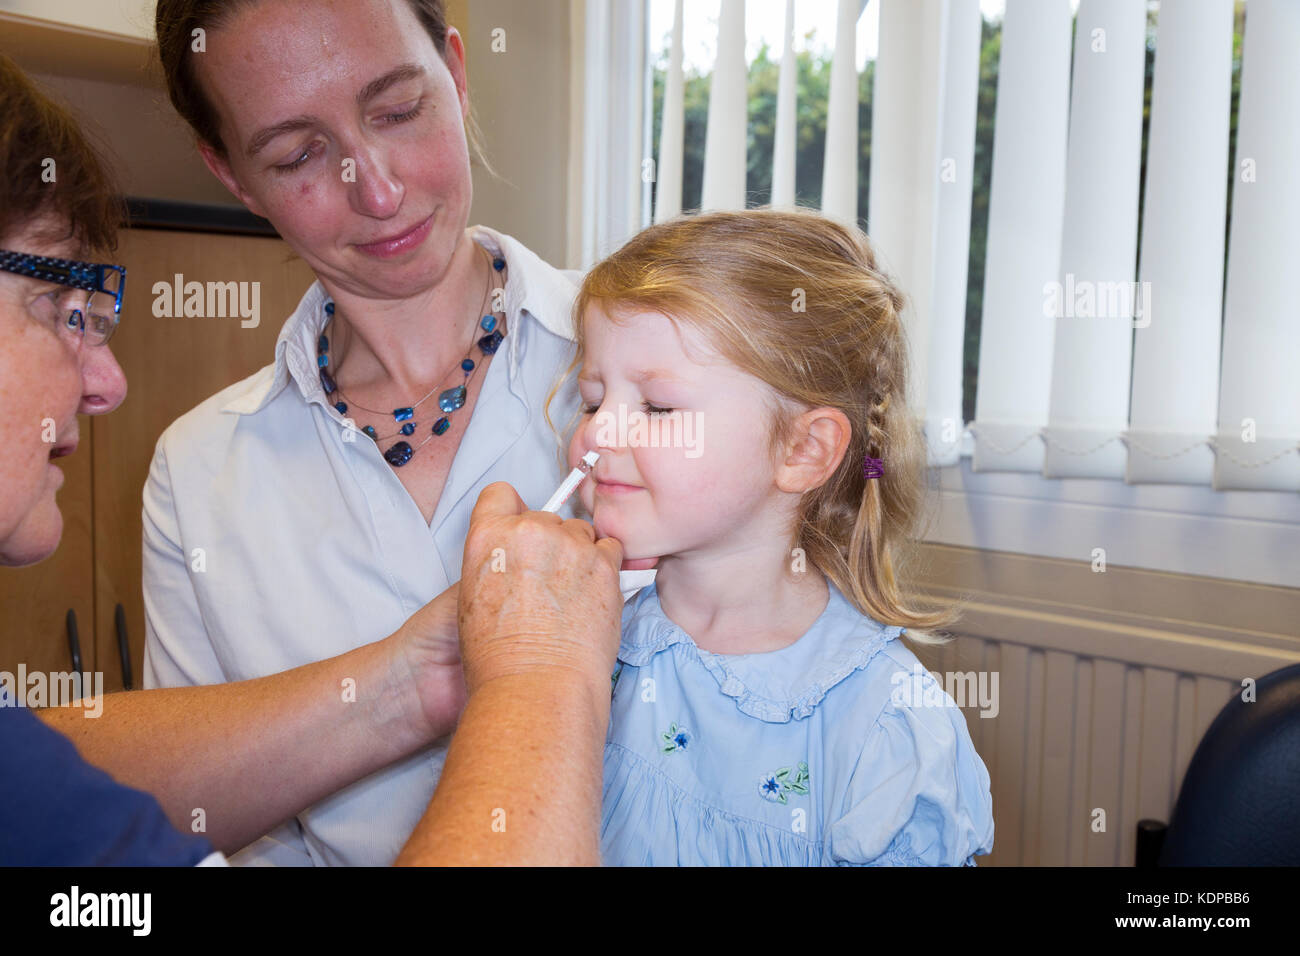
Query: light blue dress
<point>804,756</point>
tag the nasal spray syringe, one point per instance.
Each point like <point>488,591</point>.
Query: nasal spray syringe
<point>628,581</point>
<point>570,484</point>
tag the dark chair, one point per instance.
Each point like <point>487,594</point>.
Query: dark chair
<point>1240,801</point>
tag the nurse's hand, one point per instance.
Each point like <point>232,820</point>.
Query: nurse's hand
<point>540,610</point>
<point>428,662</point>
<point>537,592</point>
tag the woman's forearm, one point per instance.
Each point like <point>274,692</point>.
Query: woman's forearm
<point>251,754</point>
<point>522,781</point>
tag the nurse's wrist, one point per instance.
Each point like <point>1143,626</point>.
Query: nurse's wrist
<point>525,661</point>
<point>580,692</point>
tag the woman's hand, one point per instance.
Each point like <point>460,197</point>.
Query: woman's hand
<point>540,610</point>
<point>543,593</point>
<point>429,651</point>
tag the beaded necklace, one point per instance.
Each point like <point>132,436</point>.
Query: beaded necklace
<point>449,400</point>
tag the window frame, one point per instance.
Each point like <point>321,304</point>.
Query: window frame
<point>1240,535</point>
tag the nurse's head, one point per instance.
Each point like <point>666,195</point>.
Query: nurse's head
<point>56,201</point>
<point>346,123</point>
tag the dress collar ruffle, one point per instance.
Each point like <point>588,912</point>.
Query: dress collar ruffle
<point>775,686</point>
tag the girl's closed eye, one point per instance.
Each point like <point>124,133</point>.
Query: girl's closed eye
<point>404,115</point>
<point>646,407</point>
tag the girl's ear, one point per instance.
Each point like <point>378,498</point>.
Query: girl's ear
<point>821,436</point>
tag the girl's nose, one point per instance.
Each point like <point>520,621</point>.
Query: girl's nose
<point>600,434</point>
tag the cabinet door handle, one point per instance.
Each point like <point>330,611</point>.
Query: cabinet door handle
<point>123,646</point>
<point>74,641</point>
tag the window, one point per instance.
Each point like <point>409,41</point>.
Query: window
<point>1153,522</point>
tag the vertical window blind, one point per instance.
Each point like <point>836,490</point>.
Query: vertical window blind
<point>1104,353</point>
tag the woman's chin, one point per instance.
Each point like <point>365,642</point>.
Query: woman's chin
<point>34,540</point>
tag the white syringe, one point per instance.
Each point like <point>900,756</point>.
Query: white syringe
<point>570,484</point>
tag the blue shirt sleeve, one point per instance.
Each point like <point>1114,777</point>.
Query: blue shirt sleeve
<point>58,810</point>
<point>920,794</point>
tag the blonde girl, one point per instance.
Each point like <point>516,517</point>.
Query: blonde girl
<point>764,710</point>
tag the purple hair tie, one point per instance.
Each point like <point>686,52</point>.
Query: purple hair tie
<point>873,468</point>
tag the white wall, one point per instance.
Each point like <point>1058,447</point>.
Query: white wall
<point>521,99</point>
<point>133,18</point>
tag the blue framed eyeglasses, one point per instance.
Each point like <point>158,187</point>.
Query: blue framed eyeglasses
<point>98,317</point>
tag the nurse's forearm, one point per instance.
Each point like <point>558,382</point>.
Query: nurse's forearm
<point>521,784</point>
<point>251,754</point>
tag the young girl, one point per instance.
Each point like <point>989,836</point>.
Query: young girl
<point>743,379</point>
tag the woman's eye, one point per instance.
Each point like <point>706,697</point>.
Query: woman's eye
<point>590,409</point>
<point>302,159</point>
<point>55,311</point>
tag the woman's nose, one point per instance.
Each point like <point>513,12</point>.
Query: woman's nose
<point>103,383</point>
<point>376,191</point>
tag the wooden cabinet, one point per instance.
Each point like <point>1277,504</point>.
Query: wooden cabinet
<point>171,365</point>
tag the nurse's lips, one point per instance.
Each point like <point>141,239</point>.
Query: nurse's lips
<point>66,447</point>
<point>67,441</point>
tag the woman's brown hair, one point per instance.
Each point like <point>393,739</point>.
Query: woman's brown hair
<point>51,166</point>
<point>176,20</point>
<point>797,301</point>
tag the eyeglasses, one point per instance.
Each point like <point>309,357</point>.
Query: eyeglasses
<point>93,317</point>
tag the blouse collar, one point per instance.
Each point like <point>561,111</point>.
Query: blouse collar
<point>534,287</point>
<point>775,686</point>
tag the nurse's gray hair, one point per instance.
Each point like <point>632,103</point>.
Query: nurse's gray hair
<point>38,134</point>
<point>176,20</point>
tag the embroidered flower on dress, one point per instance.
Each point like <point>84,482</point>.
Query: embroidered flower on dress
<point>775,786</point>
<point>613,680</point>
<point>675,738</point>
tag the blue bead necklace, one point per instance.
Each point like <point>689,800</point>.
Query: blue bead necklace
<point>449,400</point>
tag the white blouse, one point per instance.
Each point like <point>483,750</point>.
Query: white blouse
<point>271,541</point>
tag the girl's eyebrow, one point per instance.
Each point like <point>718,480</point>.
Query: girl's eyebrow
<point>656,375</point>
<point>640,377</point>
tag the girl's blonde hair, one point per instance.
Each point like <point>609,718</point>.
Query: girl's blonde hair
<point>796,300</point>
